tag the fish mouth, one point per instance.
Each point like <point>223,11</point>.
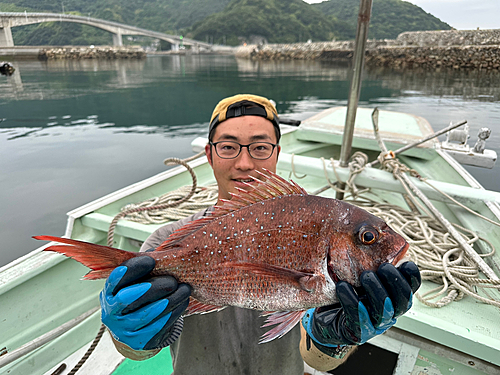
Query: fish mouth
<point>400,256</point>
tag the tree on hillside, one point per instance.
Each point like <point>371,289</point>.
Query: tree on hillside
<point>278,21</point>
<point>389,17</point>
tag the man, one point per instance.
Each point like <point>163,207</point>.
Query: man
<point>144,313</point>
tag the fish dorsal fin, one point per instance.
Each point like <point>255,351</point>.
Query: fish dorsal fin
<point>268,186</point>
<point>181,233</point>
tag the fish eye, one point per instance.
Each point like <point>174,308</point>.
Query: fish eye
<point>368,235</point>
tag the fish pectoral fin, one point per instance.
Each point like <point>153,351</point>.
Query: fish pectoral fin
<point>285,321</point>
<point>310,283</point>
<point>196,307</point>
<point>303,280</point>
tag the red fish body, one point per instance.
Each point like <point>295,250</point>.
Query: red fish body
<point>272,248</point>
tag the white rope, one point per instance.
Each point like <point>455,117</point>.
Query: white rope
<point>203,197</point>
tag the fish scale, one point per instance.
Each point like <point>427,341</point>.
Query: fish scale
<point>272,247</point>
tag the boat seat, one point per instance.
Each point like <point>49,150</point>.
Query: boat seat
<point>397,130</point>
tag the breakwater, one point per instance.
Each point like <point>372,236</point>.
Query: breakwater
<point>455,49</point>
<point>92,52</point>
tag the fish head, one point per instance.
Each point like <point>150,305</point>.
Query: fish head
<point>361,242</point>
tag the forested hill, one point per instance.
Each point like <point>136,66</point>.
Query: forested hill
<point>221,21</point>
<point>278,21</point>
<point>389,17</point>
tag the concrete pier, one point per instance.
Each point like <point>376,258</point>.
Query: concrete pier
<point>456,49</point>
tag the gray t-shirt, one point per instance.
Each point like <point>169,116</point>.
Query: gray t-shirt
<point>226,342</point>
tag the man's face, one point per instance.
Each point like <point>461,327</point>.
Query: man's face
<point>230,173</point>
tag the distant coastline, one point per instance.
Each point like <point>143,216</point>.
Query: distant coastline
<point>429,50</point>
<point>455,49</point>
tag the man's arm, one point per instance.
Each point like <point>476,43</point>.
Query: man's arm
<point>135,355</point>
<point>330,332</point>
<point>142,313</point>
<point>318,359</point>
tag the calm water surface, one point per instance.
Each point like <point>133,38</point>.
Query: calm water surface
<point>73,131</point>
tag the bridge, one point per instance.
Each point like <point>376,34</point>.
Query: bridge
<point>8,20</point>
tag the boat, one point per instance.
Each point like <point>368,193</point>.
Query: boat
<point>50,316</point>
<point>47,306</point>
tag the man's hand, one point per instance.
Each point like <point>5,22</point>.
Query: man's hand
<point>140,311</point>
<point>389,293</point>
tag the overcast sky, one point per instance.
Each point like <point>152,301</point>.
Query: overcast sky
<point>460,14</point>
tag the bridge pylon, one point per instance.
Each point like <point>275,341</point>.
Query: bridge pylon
<point>117,39</point>
<point>6,37</point>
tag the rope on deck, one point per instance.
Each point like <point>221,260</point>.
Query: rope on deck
<point>203,197</point>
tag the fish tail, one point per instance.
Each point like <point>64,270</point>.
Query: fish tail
<point>100,259</point>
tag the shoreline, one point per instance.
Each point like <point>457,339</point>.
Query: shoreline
<point>455,49</point>
<point>428,50</point>
<point>71,52</point>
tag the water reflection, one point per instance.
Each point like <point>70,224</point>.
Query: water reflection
<point>471,85</point>
<point>74,130</point>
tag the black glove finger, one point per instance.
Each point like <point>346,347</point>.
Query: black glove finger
<point>179,298</point>
<point>137,268</point>
<point>325,315</point>
<point>168,330</point>
<point>348,299</point>
<point>161,287</point>
<point>412,275</point>
<point>397,287</point>
<point>376,294</point>
<point>178,301</point>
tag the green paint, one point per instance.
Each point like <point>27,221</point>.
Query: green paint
<point>431,364</point>
<point>159,364</point>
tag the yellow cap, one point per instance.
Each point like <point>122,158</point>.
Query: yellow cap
<point>244,105</point>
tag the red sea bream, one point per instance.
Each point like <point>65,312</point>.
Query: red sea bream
<point>272,248</point>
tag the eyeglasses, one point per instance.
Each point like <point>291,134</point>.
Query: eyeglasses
<point>257,150</point>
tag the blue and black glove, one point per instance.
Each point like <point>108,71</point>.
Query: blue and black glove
<point>143,312</point>
<point>387,295</point>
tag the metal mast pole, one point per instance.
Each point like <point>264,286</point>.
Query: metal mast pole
<point>365,10</point>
